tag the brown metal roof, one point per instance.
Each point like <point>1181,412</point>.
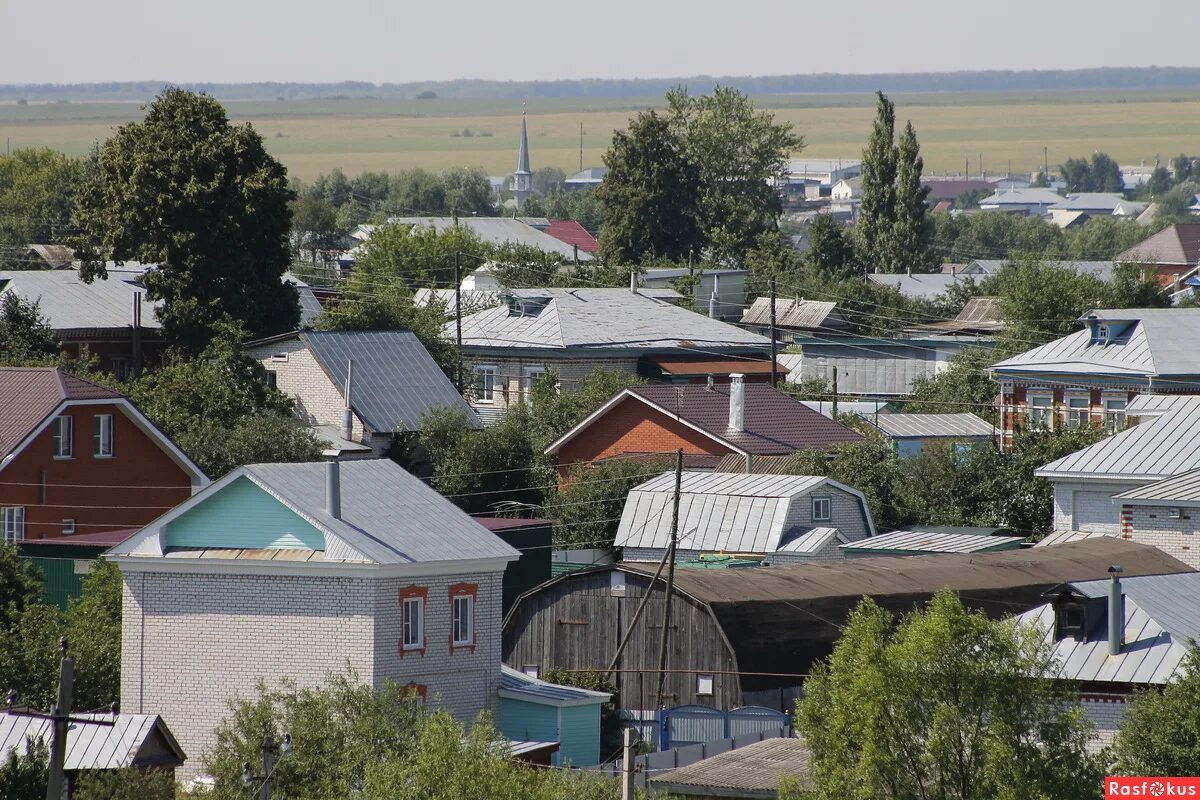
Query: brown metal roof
<point>775,423</point>
<point>1177,244</point>
<point>29,394</point>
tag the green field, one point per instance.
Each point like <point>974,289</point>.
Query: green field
<point>313,136</point>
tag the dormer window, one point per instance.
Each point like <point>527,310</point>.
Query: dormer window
<point>1102,333</point>
<point>1070,620</point>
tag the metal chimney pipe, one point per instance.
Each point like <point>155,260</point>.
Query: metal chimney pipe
<point>1116,612</point>
<point>333,489</point>
<point>633,282</point>
<point>347,414</point>
<point>713,302</point>
<point>737,402</point>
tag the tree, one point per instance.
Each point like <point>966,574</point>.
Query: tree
<point>37,199</point>
<point>880,165</point>
<point>942,706</point>
<point>314,226</point>
<point>1175,205</point>
<point>651,194</point>
<point>1182,168</point>
<point>912,230</point>
<point>1160,733</point>
<point>468,191</point>
<point>548,180</point>
<point>93,627</point>
<point>554,411</point>
<point>1101,175</point>
<point>203,201</point>
<point>20,586</point>
<point>963,387</point>
<point>869,465</point>
<point>581,205</point>
<point>1104,238</point>
<point>588,505</point>
<point>738,151</point>
<point>420,255</point>
<point>25,335</point>
<point>1040,181</point>
<point>23,775</point>
<point>129,783</point>
<point>831,248</point>
<point>1159,182</point>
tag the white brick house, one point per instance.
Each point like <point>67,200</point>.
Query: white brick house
<point>1165,514</point>
<point>297,571</point>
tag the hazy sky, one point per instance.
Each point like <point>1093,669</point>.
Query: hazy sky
<point>72,41</point>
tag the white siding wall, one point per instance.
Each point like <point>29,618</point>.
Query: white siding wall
<point>1177,537</point>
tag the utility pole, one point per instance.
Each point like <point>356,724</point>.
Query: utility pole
<point>1046,162</point>
<point>458,314</point>
<point>581,147</point>
<point>271,754</point>
<point>774,369</point>
<point>627,766</point>
<point>835,393</point>
<point>666,618</point>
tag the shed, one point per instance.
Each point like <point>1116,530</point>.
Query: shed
<point>753,771</point>
<point>909,433</point>
<point>749,636</point>
<point>533,709</point>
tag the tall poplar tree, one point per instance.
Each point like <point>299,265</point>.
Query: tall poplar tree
<point>877,209</point>
<point>912,229</point>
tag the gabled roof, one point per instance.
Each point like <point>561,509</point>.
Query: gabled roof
<point>494,230</point>
<point>981,315</point>
<point>389,517</point>
<point>1156,448</point>
<point>931,542</point>
<point>729,512</point>
<point>132,740</point>
<point>589,175</point>
<point>28,395</point>
<point>395,380</point>
<point>1182,489</point>
<point>1022,197</point>
<point>1095,201</point>
<point>473,300</point>
<point>794,313</point>
<point>929,426</point>
<point>1159,343</point>
<point>990,266</point>
<point>601,319</point>
<point>775,424</point>
<point>1177,244</point>
<point>1162,614</point>
<point>952,190</point>
<point>925,286</point>
<point>69,304</point>
<point>55,256</point>
<point>517,685</point>
<point>572,233</point>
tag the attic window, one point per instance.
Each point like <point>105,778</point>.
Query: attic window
<point>526,306</point>
<point>279,357</point>
<point>1070,620</point>
<point>1102,333</point>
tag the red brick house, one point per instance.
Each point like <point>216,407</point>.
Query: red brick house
<point>707,422</point>
<point>77,457</point>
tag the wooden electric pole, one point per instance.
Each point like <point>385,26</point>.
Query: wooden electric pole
<point>666,617</point>
<point>774,369</point>
<point>458,314</point>
<point>627,765</point>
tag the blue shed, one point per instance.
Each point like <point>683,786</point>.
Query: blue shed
<point>534,710</point>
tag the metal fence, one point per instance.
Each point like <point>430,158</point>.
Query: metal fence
<point>654,764</point>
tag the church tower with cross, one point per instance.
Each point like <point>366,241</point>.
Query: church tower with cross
<point>523,177</point>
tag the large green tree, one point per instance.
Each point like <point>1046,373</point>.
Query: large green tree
<point>1101,174</point>
<point>650,198</point>
<point>37,199</point>
<point>25,335</point>
<point>942,706</point>
<point>203,201</point>
<point>1160,733</point>
<point>420,255</point>
<point>877,210</point>
<point>912,230</point>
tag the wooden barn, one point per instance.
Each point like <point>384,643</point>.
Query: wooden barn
<point>749,636</point>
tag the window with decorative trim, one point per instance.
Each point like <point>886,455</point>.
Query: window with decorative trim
<point>1114,414</point>
<point>1078,411</point>
<point>12,520</point>
<point>412,619</point>
<point>529,379</point>
<point>64,436</point>
<point>462,615</point>
<point>1039,412</point>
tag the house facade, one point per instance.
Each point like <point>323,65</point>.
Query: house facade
<point>299,571</point>
<point>910,434</point>
<point>1171,254</point>
<point>1165,514</point>
<point>79,458</point>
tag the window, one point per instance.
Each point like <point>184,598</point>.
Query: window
<point>529,378</point>
<point>822,509</point>
<point>485,384</point>
<point>272,379</point>
<point>68,527</point>
<point>531,670</point>
<point>704,685</point>
<point>1070,620</point>
<point>120,368</point>
<point>64,429</point>
<point>13,520</point>
<point>1102,332</point>
<point>413,610</point>
<point>1078,411</point>
<point>1114,414</point>
<point>464,620</point>
<point>1039,414</point>
<point>102,436</point>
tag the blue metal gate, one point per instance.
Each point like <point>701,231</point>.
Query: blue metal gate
<point>695,724</point>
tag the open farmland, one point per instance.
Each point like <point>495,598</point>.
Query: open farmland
<point>313,136</point>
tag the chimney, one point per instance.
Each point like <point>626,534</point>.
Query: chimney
<point>633,282</point>
<point>737,402</point>
<point>714,303</point>
<point>333,489</point>
<point>347,414</point>
<point>709,386</point>
<point>1116,612</point>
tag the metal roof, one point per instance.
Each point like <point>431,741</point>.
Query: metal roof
<point>68,303</point>
<point>1152,405</point>
<point>572,233</point>
<point>395,380</point>
<point>1177,244</point>
<point>1182,488</point>
<point>601,319</point>
<point>1065,537</point>
<point>29,394</point>
<point>94,746</point>
<point>1097,201</point>
<point>519,686</point>
<point>523,149</point>
<point>808,541</point>
<point>733,512</point>
<point>388,515</point>
<point>860,407</point>
<point>1022,197</point>
<point>498,230</point>
<point>928,426</point>
<point>794,313</point>
<point>472,300</point>
<point>926,542</point>
<point>753,771</point>
<point>1155,448</point>
<point>924,286</point>
<point>310,306</point>
<point>989,266</point>
<point>1162,614</point>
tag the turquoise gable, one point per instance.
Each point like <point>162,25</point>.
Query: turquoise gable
<point>242,515</point>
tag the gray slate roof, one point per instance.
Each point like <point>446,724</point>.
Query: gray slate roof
<point>929,426</point>
<point>388,515</point>
<point>472,300</point>
<point>603,319</point>
<point>1176,244</point>
<point>1178,489</point>
<point>1097,201</point>
<point>70,304</point>
<point>1022,197</point>
<point>927,542</point>
<point>753,771</point>
<point>1162,613</point>
<point>94,746</point>
<point>395,379</point>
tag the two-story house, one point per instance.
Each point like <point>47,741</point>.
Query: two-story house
<point>80,458</point>
<point>576,331</point>
<point>1089,377</point>
<point>358,390</point>
<point>782,519</point>
<point>295,571</point>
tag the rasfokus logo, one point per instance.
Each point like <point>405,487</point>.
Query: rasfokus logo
<point>1151,787</point>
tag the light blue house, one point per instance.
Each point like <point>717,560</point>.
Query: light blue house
<point>534,710</point>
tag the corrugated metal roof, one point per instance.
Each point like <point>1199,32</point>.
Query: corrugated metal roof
<point>68,303</point>
<point>524,687</point>
<point>926,542</point>
<point>603,319</point>
<point>94,746</point>
<point>573,234</point>
<point>1146,405</point>
<point>310,306</point>
<point>499,230</point>
<point>860,407</point>
<point>1155,448</point>
<point>732,512</point>
<point>875,367</point>
<point>794,313</point>
<point>388,515</point>
<point>751,771</point>
<point>1162,614</point>
<point>926,426</point>
<point>395,379</point>
<point>1023,197</point>
<point>29,394</point>
<point>1184,487</point>
<point>808,541</point>
<point>1064,537</point>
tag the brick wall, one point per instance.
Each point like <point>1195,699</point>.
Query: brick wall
<point>1105,712</point>
<point>1015,403</point>
<point>1153,525</point>
<point>298,375</point>
<point>1088,506</point>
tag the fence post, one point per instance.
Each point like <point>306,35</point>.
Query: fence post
<point>664,730</point>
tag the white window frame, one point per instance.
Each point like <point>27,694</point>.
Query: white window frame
<point>456,621</point>
<point>825,500</point>
<point>12,521</point>
<point>529,378</point>
<point>1115,419</point>
<point>100,423</point>
<point>64,436</point>
<point>412,606</point>
<point>1078,416</point>
<point>68,527</point>
<point>706,685</point>
<point>1039,417</point>
<point>271,379</point>
<point>485,392</point>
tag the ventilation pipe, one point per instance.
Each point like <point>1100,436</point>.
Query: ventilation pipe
<point>347,414</point>
<point>713,303</point>
<point>737,402</point>
<point>1116,612</point>
<point>333,489</point>
<point>633,286</point>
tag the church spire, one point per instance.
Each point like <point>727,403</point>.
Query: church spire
<point>523,151</point>
<point>523,177</point>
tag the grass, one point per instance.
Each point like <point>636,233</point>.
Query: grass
<point>314,136</point>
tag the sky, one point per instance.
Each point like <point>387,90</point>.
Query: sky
<point>402,40</point>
